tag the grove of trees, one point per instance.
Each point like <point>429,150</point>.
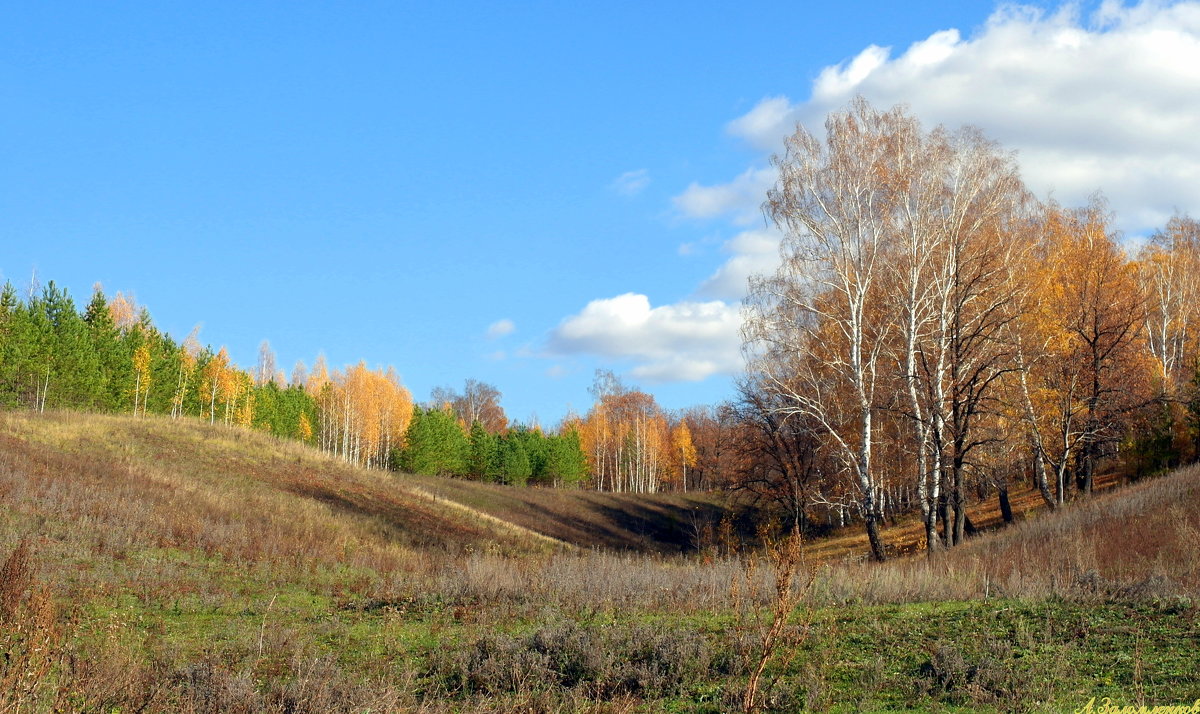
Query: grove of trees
<point>933,330</point>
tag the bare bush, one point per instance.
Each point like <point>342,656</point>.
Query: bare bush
<point>649,661</point>
<point>30,637</point>
<point>988,677</point>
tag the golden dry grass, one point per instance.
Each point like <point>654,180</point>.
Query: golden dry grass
<point>106,483</point>
<point>1141,540</point>
<point>906,536</point>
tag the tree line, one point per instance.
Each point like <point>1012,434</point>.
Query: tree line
<point>110,357</point>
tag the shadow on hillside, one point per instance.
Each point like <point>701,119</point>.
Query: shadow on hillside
<point>686,528</point>
<point>407,523</point>
<point>582,532</point>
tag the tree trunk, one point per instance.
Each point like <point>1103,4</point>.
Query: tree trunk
<point>1060,482</point>
<point>877,552</point>
<point>932,541</point>
<point>969,528</point>
<point>943,515</point>
<point>1087,477</point>
<point>1039,478</point>
<point>960,507</point>
<point>1005,506</point>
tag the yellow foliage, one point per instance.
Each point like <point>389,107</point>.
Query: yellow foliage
<point>305,428</point>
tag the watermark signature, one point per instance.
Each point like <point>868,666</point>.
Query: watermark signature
<point>1106,706</point>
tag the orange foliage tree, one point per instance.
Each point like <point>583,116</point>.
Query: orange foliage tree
<point>363,412</point>
<point>1083,360</point>
<point>626,438</point>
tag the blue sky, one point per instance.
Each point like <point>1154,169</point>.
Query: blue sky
<point>522,192</point>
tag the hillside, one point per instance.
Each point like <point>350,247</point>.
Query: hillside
<point>120,481</point>
<point>173,483</point>
<point>906,535</point>
<point>154,471</point>
<point>151,565</point>
<point>649,523</point>
<point>1139,540</point>
<point>249,482</point>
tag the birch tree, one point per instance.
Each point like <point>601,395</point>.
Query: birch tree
<point>683,450</point>
<point>971,217</point>
<point>189,354</point>
<point>892,296</point>
<point>626,437</point>
<point>1168,269</point>
<point>212,378</point>
<point>265,370</point>
<point>141,369</point>
<point>818,324</point>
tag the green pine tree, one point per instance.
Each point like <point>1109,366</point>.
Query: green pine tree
<point>481,454</point>
<point>515,466</point>
<point>73,377</point>
<point>434,444</point>
<point>12,331</point>
<point>106,343</point>
<point>566,463</point>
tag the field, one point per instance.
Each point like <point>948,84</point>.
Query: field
<point>153,565</point>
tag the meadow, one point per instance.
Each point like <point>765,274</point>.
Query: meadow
<point>163,565</point>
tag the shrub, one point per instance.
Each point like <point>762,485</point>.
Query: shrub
<point>640,660</point>
<point>987,677</point>
<point>30,637</point>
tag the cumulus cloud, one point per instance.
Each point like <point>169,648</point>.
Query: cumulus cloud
<point>739,199</point>
<point>766,124</point>
<point>751,252</point>
<point>686,341</point>
<point>1105,101</point>
<point>631,183</point>
<point>500,328</point>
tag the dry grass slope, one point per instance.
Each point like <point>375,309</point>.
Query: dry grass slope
<point>160,566</point>
<point>236,476</point>
<point>1137,540</point>
<point>105,483</point>
<point>91,485</point>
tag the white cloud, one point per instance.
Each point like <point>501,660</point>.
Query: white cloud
<point>1100,102</point>
<point>686,341</point>
<point>631,183</point>
<point>837,81</point>
<point>500,328</point>
<point>766,124</point>
<point>681,369</point>
<point>740,199</point>
<point>752,252</point>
